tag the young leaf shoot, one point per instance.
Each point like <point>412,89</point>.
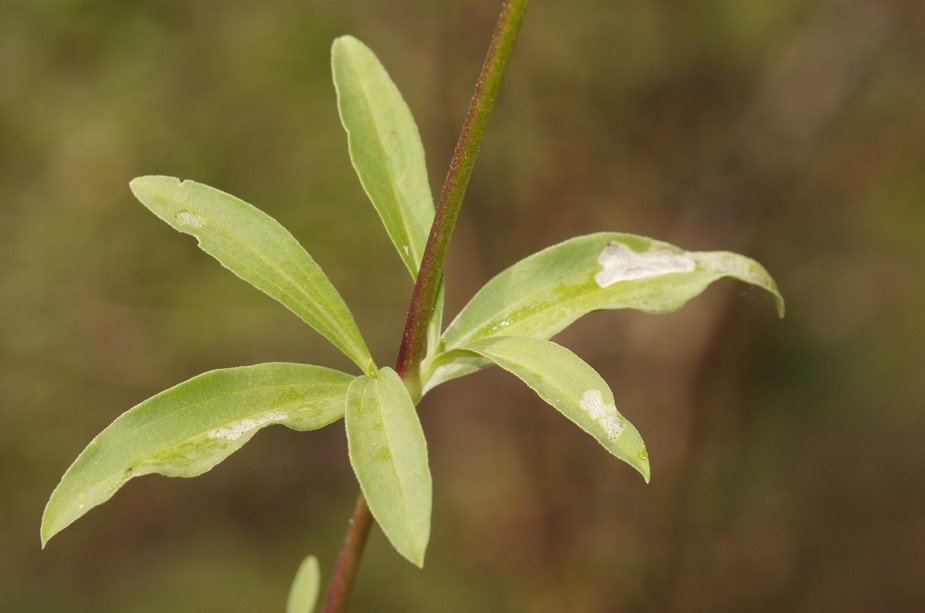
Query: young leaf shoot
<point>304,590</point>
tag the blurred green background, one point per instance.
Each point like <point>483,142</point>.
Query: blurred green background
<point>787,456</point>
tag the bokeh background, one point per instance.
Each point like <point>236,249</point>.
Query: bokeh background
<point>787,456</point>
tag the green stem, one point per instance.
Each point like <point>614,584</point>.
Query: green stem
<point>408,364</point>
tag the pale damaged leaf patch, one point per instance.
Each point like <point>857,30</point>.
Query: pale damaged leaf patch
<point>620,263</point>
<point>592,401</point>
<point>237,429</point>
<point>185,218</point>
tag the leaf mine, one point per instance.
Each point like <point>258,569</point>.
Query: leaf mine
<point>604,414</point>
<point>620,263</point>
<point>235,430</point>
<point>185,218</point>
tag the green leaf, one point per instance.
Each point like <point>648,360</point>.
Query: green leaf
<point>255,247</point>
<point>569,384</point>
<point>186,430</point>
<point>389,456</point>
<point>385,147</point>
<point>304,590</point>
<point>545,292</point>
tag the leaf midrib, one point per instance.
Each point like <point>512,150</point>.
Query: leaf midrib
<point>392,465</point>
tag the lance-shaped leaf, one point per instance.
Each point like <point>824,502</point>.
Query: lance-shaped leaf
<point>385,147</point>
<point>186,430</point>
<point>545,292</point>
<point>388,453</point>
<point>304,590</point>
<point>255,247</point>
<point>569,384</point>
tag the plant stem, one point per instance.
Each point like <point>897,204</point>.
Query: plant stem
<point>348,561</point>
<point>454,187</point>
<point>408,363</point>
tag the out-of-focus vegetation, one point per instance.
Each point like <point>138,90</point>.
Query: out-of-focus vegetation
<point>787,457</point>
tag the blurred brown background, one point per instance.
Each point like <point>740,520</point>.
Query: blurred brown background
<point>787,456</point>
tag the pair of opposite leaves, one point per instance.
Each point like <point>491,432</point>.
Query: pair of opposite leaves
<point>188,429</point>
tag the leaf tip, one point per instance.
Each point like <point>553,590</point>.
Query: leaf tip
<point>419,546</point>
<point>344,43</point>
<point>344,39</point>
<point>147,187</point>
<point>146,181</point>
<point>642,464</point>
<point>303,594</point>
<point>46,532</point>
<point>59,514</point>
<point>781,307</point>
<point>416,557</point>
<point>138,186</point>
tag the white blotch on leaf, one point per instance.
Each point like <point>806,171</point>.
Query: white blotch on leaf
<point>592,401</point>
<point>620,263</point>
<point>185,218</point>
<point>406,249</point>
<point>237,429</point>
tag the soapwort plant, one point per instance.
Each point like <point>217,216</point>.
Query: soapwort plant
<point>186,430</point>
